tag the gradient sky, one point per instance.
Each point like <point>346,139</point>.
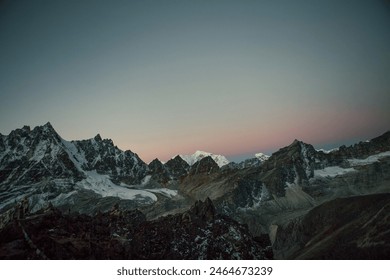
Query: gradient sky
<point>167,77</point>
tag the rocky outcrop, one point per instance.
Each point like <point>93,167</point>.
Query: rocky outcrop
<point>293,164</point>
<point>205,166</point>
<point>177,167</point>
<point>364,149</point>
<point>199,233</point>
<point>159,172</point>
<point>251,162</point>
<point>203,211</point>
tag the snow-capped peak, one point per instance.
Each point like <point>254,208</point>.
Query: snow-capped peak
<point>261,156</point>
<point>198,155</point>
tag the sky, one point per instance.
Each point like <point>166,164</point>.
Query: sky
<point>162,78</point>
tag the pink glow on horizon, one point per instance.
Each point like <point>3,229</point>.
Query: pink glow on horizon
<point>313,126</point>
<point>227,77</point>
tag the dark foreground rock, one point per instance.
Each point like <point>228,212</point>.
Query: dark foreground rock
<point>345,228</point>
<point>198,233</point>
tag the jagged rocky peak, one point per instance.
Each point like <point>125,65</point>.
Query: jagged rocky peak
<point>297,151</point>
<point>15,137</point>
<point>47,130</point>
<point>155,164</point>
<point>157,167</point>
<point>41,142</point>
<point>34,156</point>
<point>365,148</point>
<point>48,127</point>
<point>98,141</point>
<point>159,172</point>
<point>291,165</point>
<point>205,211</point>
<point>205,166</point>
<point>382,142</point>
<point>104,157</point>
<point>25,130</point>
<point>177,167</point>
<point>301,147</point>
<point>29,138</point>
<point>98,138</point>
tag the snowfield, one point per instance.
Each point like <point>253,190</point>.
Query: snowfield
<point>368,160</point>
<point>332,171</point>
<point>101,184</point>
<point>164,191</point>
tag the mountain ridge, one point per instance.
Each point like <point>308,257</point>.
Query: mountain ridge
<point>38,169</point>
<point>56,167</point>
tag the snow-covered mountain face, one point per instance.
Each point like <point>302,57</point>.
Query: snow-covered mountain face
<point>105,158</point>
<point>256,161</point>
<point>198,155</point>
<point>262,157</point>
<point>40,165</point>
<point>28,156</point>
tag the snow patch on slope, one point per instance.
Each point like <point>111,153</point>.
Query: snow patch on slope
<point>164,191</point>
<point>304,152</point>
<point>368,160</point>
<point>75,156</point>
<point>332,171</point>
<point>101,184</point>
<point>40,151</point>
<point>261,156</point>
<point>327,151</point>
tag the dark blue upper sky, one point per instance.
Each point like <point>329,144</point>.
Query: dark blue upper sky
<point>168,77</point>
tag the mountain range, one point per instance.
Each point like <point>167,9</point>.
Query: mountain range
<point>276,206</point>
